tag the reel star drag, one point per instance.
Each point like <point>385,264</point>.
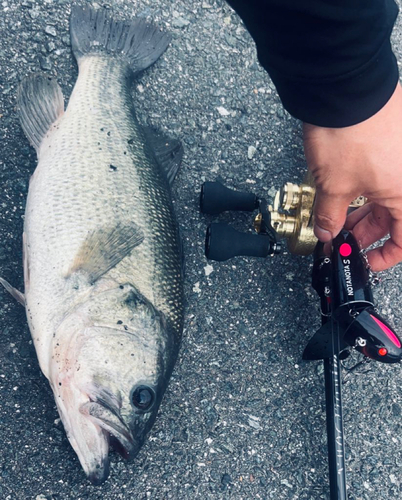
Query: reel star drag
<point>342,282</point>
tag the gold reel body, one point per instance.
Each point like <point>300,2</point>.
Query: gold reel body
<point>292,215</point>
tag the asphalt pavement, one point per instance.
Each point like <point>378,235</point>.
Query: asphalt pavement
<point>244,416</point>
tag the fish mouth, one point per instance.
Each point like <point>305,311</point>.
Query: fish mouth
<point>112,424</point>
<point>115,431</point>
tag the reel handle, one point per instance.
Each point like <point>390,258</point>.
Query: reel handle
<point>216,198</point>
<point>223,242</point>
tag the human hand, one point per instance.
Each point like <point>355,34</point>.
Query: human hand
<point>363,159</point>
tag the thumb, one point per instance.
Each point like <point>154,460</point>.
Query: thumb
<point>329,215</point>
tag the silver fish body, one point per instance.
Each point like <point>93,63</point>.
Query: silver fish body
<point>102,259</point>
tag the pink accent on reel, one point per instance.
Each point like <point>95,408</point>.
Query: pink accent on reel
<point>390,334</point>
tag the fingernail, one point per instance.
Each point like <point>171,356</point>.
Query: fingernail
<point>322,234</point>
<point>327,249</point>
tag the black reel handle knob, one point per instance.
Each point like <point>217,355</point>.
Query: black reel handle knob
<point>216,198</point>
<point>223,242</point>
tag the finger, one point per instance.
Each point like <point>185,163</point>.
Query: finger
<point>357,215</point>
<point>374,226</point>
<point>386,256</point>
<point>329,215</point>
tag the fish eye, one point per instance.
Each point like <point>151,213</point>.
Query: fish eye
<point>143,398</point>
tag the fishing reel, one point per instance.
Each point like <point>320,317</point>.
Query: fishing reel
<point>289,218</point>
<point>341,280</point>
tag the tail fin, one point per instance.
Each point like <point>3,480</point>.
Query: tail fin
<point>94,31</point>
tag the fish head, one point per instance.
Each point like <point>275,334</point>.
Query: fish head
<point>113,357</point>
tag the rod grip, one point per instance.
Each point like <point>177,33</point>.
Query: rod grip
<point>216,198</point>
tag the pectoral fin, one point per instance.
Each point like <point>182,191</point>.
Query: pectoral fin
<point>105,248</point>
<point>13,291</point>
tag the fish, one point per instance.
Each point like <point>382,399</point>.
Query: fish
<point>102,256</point>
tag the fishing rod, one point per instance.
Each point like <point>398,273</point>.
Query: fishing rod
<point>342,281</point>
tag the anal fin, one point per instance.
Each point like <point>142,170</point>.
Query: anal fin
<point>40,103</point>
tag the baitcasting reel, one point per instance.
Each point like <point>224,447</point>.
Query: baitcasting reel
<point>290,218</point>
<point>341,281</point>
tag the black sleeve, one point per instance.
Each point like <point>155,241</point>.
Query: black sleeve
<point>330,60</point>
